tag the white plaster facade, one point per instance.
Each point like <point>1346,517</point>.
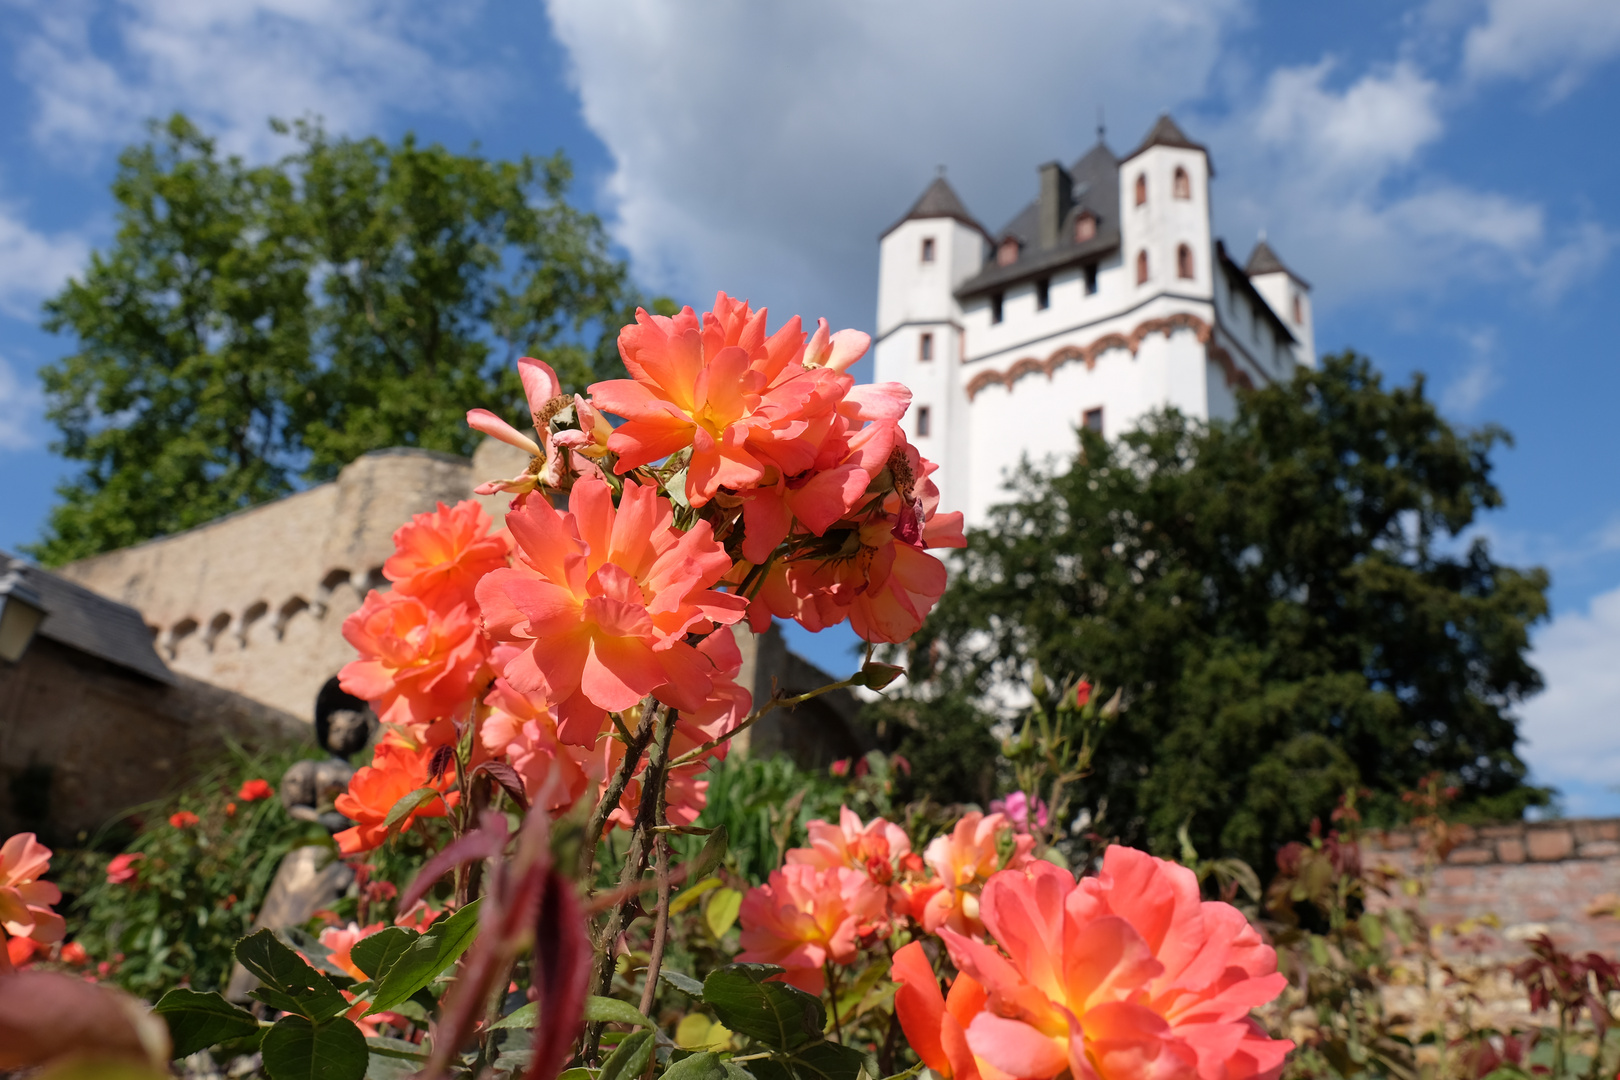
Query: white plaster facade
<point>988,391</point>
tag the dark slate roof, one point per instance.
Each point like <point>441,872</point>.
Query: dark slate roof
<point>91,623</point>
<point>938,201</point>
<point>1165,132</point>
<point>1262,260</point>
<point>1094,188</point>
<point>1239,280</point>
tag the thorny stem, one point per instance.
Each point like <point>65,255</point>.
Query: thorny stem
<point>655,960</point>
<point>656,776</point>
<point>754,717</point>
<point>832,998</point>
<point>633,748</point>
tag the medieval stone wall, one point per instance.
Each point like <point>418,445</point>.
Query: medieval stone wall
<point>1561,878</point>
<point>255,602</point>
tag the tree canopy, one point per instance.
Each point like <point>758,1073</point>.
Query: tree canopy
<point>254,327</point>
<point>1287,599</point>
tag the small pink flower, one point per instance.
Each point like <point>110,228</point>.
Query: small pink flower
<point>183,819</point>
<point>121,869</point>
<point>1016,807</point>
<point>75,954</point>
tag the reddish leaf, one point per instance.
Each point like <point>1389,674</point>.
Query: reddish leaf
<point>562,972</point>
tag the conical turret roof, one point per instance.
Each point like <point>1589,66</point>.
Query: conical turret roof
<point>1166,132</point>
<point>939,200</point>
<point>1262,260</point>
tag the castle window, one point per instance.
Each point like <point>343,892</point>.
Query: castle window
<point>1184,262</point>
<point>925,347</point>
<point>924,421</point>
<point>1007,253</point>
<point>928,249</point>
<point>1141,268</point>
<point>1141,189</point>
<point>1183,186</point>
<point>995,308</point>
<point>1043,294</point>
<point>1299,311</point>
<point>1092,420</point>
<point>1090,271</point>
<point>1085,227</point>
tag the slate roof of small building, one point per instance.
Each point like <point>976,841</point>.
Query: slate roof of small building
<point>1238,278</point>
<point>91,623</point>
<point>938,200</point>
<point>1094,184</point>
<point>1262,260</point>
<point>1166,132</point>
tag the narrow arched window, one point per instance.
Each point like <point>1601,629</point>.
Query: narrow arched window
<point>1299,311</point>
<point>1183,186</point>
<point>1007,253</point>
<point>1085,227</point>
<point>1184,262</point>
<point>928,249</point>
<point>1141,268</point>
<point>1141,189</point>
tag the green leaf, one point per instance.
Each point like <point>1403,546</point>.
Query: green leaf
<point>392,1059</point>
<point>684,983</point>
<point>295,1049</point>
<point>714,849</point>
<point>374,955</point>
<point>814,1061</point>
<point>701,1066</point>
<point>629,1059</point>
<point>613,1011</point>
<point>426,957</point>
<point>692,894</point>
<point>782,1017</point>
<point>407,806</point>
<point>289,984</point>
<point>199,1020</point>
<point>521,1018</point>
<point>721,912</point>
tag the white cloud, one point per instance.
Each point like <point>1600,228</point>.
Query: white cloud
<point>1560,39</point>
<point>20,405</point>
<point>33,264</point>
<point>1337,176</point>
<point>1468,391</point>
<point>762,147</point>
<point>1379,121</point>
<point>99,68</point>
<point>1572,729</point>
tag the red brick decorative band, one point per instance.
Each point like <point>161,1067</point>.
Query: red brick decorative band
<point>1088,354</point>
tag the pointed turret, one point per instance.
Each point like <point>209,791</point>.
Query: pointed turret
<point>939,200</point>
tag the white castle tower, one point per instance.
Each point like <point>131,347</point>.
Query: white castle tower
<point>1105,298</point>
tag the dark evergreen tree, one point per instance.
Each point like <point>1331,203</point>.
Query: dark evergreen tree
<point>1288,601</point>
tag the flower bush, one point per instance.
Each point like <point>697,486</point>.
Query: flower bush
<point>554,695</point>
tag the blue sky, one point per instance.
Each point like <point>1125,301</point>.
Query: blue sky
<point>1444,173</point>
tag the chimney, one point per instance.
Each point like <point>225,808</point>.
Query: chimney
<point>1057,196</point>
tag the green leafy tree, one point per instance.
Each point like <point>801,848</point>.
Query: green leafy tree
<point>255,327</point>
<point>1287,599</point>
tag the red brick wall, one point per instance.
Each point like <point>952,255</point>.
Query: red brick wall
<point>1557,877</point>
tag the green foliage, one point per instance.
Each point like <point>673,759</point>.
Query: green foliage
<point>764,805</point>
<point>1287,600</point>
<point>425,958</point>
<point>255,327</point>
<point>946,742</point>
<point>195,890</point>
